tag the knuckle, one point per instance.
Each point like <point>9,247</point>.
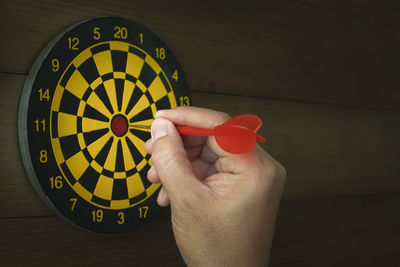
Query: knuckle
<point>166,160</point>
<point>272,168</point>
<point>282,171</point>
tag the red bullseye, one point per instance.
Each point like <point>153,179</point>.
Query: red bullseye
<point>119,125</point>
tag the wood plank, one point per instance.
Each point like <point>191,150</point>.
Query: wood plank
<point>21,200</point>
<point>327,150</point>
<point>276,49</point>
<point>381,12</point>
<point>362,231</point>
<point>50,241</point>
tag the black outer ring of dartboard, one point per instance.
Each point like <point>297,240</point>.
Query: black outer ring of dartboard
<point>30,145</point>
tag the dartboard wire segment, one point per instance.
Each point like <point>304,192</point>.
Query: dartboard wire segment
<point>83,96</point>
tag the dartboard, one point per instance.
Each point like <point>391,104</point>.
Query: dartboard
<point>84,118</point>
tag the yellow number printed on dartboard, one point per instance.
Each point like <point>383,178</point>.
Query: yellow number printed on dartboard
<point>143,212</point>
<point>73,43</point>
<point>96,33</point>
<point>120,32</point>
<point>55,65</point>
<point>121,217</point>
<point>73,200</point>
<point>43,156</point>
<point>40,125</point>
<point>44,94</point>
<point>56,182</point>
<point>97,216</point>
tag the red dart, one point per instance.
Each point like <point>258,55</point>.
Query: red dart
<point>236,136</point>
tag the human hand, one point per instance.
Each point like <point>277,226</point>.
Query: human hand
<point>223,206</point>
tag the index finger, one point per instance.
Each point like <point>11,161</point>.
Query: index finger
<point>197,117</point>
<point>194,116</point>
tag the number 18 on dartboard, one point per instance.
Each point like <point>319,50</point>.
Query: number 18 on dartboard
<point>83,96</point>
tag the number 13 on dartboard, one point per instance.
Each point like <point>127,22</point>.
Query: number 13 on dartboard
<point>85,92</point>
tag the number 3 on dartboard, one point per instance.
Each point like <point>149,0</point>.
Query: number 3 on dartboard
<point>121,217</point>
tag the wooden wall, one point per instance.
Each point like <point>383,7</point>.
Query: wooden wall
<point>323,75</point>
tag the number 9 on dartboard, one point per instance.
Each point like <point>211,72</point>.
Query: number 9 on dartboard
<point>84,95</point>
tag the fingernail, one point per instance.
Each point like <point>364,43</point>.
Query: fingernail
<point>159,128</point>
<point>158,113</point>
<point>160,195</point>
<point>150,171</point>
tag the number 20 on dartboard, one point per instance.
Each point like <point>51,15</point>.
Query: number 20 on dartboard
<point>83,97</point>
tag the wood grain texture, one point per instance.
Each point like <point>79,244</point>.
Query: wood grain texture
<point>21,200</point>
<point>355,231</point>
<point>275,49</point>
<point>48,241</point>
<point>385,13</point>
<point>352,231</point>
<point>327,150</point>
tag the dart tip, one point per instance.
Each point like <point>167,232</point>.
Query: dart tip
<point>148,127</point>
<point>260,139</point>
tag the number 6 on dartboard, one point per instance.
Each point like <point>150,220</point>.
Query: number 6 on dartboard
<point>87,89</point>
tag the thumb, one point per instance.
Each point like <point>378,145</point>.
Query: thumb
<point>170,161</point>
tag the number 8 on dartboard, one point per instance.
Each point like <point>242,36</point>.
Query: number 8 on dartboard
<point>85,92</point>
